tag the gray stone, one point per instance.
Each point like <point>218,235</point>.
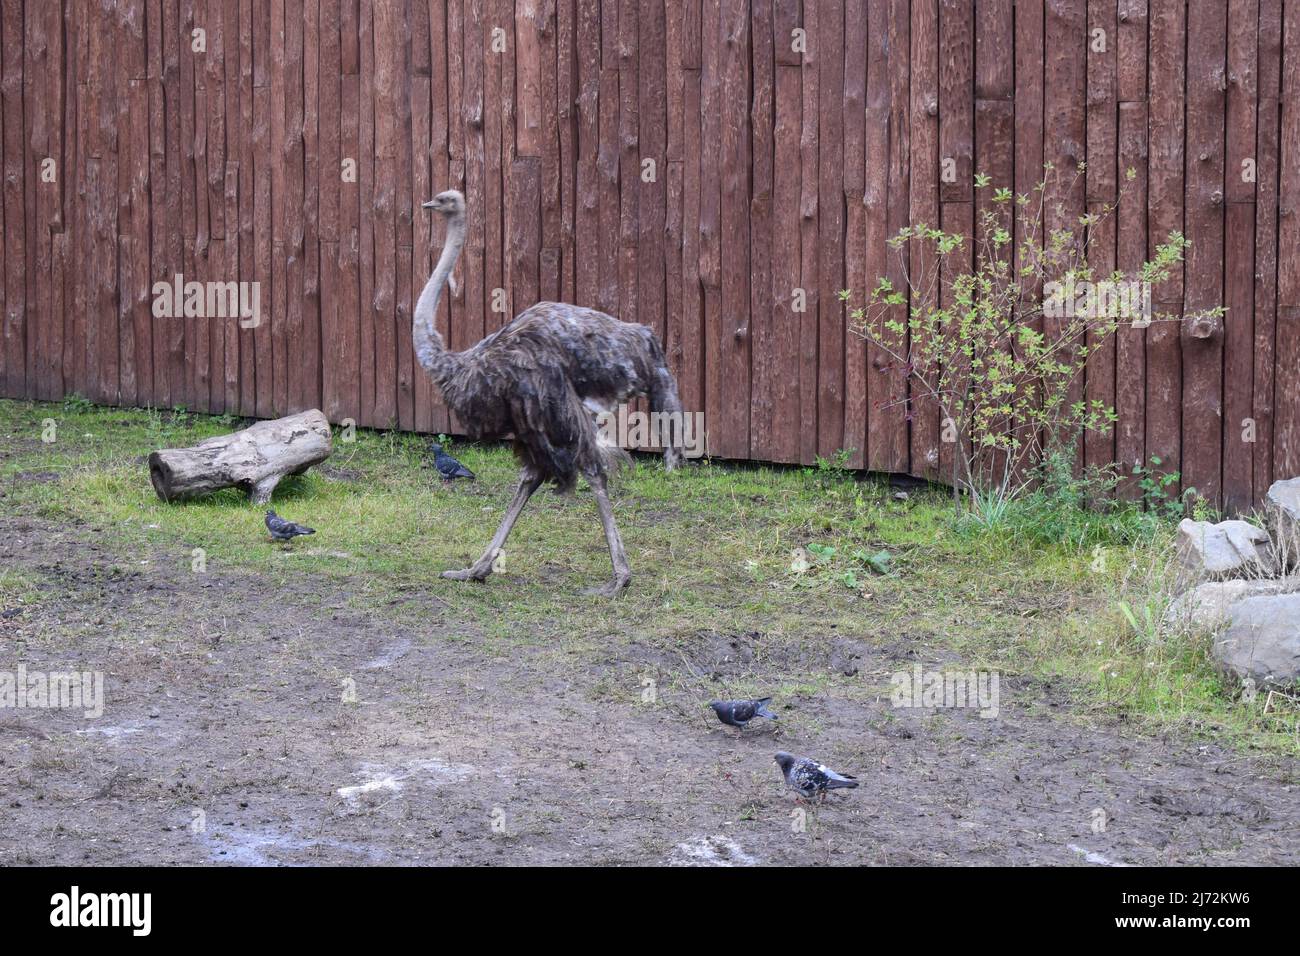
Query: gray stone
<point>1226,549</point>
<point>1206,606</point>
<point>1263,640</point>
<point>1282,505</point>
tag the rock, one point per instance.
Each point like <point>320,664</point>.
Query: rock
<point>1282,505</point>
<point>1206,606</point>
<point>1225,549</point>
<point>1263,640</point>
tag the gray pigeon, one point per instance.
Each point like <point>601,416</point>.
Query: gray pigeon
<point>449,467</point>
<point>282,530</point>
<point>808,778</point>
<point>738,713</point>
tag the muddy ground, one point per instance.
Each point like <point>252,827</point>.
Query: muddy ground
<point>226,739</point>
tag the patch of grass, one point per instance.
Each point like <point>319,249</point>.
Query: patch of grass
<point>715,553</point>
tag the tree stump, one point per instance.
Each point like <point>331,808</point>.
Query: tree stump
<point>254,459</point>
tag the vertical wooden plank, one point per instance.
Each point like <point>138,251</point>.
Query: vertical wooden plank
<point>587,238</point>
<point>1101,186</point>
<point>889,93</point>
<point>734,154</point>
<point>330,194</point>
<point>674,214</point>
<point>629,159</point>
<point>688,342</point>
<point>12,330</point>
<point>1131,252</point>
<point>428,148</point>
<point>994,50</point>
<point>388,65</point>
<point>473,107</point>
<point>497,144</point>
<point>371,355</point>
<point>234,129</point>
<point>565,93</point>
<point>1165,215</point>
<point>924,203</point>
<point>762,124</point>
<point>781,357</point>
<point>346,342</point>
<point>38,200</point>
<point>1065,124</point>
<point>169,237</point>
<point>1268,118</point>
<point>1286,435</point>
<point>855,222</point>
<point>1203,356</point>
<point>830,222</point>
<point>956,107</point>
<point>1239,432</point>
<point>652,134</point>
<point>710,253</point>
<point>995,157</point>
<point>109,82</point>
<point>51,373</point>
<point>1029,79</point>
<point>1131,237</point>
<point>956,158</point>
<point>810,234</point>
<point>525,237</point>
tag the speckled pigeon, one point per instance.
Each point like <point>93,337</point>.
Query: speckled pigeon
<point>808,778</point>
<point>449,467</point>
<point>738,713</point>
<point>282,530</point>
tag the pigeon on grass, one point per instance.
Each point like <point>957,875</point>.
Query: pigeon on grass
<point>282,530</point>
<point>738,713</point>
<point>449,468</point>
<point>808,778</point>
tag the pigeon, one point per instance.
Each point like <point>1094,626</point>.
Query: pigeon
<point>282,530</point>
<point>449,467</point>
<point>738,713</point>
<point>809,778</point>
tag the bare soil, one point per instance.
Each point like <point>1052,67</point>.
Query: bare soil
<point>230,736</point>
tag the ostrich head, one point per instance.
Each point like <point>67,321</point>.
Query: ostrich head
<point>449,203</point>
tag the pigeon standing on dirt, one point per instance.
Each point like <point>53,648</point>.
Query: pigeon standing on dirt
<point>808,778</point>
<point>738,713</point>
<point>449,467</point>
<point>282,530</point>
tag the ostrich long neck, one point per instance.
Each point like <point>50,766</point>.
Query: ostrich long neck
<point>430,351</point>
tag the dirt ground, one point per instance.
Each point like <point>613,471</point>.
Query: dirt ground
<point>226,739</point>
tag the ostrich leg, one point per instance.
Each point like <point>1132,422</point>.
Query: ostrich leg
<point>480,569</point>
<point>617,556</point>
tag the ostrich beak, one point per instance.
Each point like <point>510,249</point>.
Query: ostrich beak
<point>429,205</point>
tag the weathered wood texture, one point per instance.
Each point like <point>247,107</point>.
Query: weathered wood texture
<point>254,459</point>
<point>714,169</point>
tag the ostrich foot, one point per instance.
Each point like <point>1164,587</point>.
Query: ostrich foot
<point>614,588</point>
<point>467,574</point>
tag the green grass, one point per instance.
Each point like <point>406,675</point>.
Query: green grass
<point>794,554</point>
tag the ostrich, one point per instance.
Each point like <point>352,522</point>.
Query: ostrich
<point>542,378</point>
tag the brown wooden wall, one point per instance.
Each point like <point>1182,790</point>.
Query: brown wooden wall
<point>774,169</point>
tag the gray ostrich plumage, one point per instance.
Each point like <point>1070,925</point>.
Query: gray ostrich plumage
<point>541,379</point>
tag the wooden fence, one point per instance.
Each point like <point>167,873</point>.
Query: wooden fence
<point>686,164</point>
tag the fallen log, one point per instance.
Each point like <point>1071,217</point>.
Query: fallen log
<point>253,460</point>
